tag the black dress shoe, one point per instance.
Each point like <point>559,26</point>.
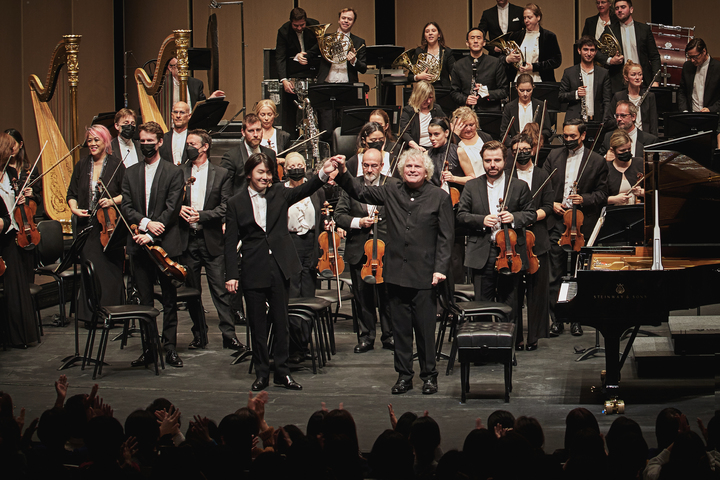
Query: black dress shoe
<point>296,358</point>
<point>389,344</point>
<point>401,386</point>
<point>576,330</point>
<point>234,344</point>
<point>260,383</point>
<point>287,382</point>
<point>520,347</point>
<point>531,347</point>
<point>196,344</point>
<point>144,359</point>
<point>556,329</point>
<point>239,318</point>
<point>173,359</point>
<point>430,386</point>
<point>363,347</point>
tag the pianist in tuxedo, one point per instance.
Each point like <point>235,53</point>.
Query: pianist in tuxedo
<point>125,146</point>
<point>594,89</point>
<point>624,171</point>
<point>499,20</point>
<point>574,163</point>
<point>625,117</point>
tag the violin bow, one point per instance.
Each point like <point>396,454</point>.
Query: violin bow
<point>542,122</point>
<point>27,180</point>
<point>591,151</point>
<point>392,172</point>
<point>97,207</point>
<point>512,172</point>
<point>507,130</point>
<point>451,125</point>
<point>400,135</point>
<point>300,143</point>
<point>49,169</point>
<point>6,165</point>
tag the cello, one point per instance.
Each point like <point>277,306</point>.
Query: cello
<point>371,272</point>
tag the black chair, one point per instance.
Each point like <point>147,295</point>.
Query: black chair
<point>186,294</point>
<point>318,310</point>
<point>50,250</point>
<point>343,144</point>
<point>117,313</point>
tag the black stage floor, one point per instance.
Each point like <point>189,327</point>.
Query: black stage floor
<point>548,383</point>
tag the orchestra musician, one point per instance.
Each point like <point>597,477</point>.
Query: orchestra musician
<point>538,284</point>
<point>539,53</point>
<point>574,164</point>
<point>417,258</point>
<point>356,219</point>
<point>126,147</point>
<point>84,195</point>
<point>625,115</point>
<point>174,146</point>
<point>273,138</point>
<point>234,159</point>
<point>471,138</point>
<point>700,81</point>
<point>421,108</point>
<point>459,169</point>
<point>21,163</point>
<point>18,310</point>
<point>499,20</point>
<point>479,212</point>
<point>478,80</point>
<point>371,136</point>
<point>433,43</point>
<point>258,216</point>
<point>195,88</point>
<point>594,90</point>
<point>624,171</point>
<point>647,115</point>
<point>202,215</point>
<point>595,25</point>
<point>523,109</point>
<point>151,200</point>
<point>381,117</point>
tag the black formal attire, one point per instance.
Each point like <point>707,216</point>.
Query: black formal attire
<point>489,71</point>
<point>490,23</point>
<point>589,29</point>
<point>643,139</point>
<point>120,151</point>
<point>448,61</point>
<point>438,156</point>
<point>234,162</point>
<point>549,57</point>
<point>512,109</point>
<point>648,56</point>
<point>601,92</point>
<point>420,238</point>
<point>303,283</point>
<point>195,90</point>
<point>282,139</point>
<point>592,185</point>
<point>648,112</point>
<point>164,207</point>
<point>711,95</point>
<point>111,261</point>
<point>615,177</point>
<point>166,151</point>
<point>203,245</point>
<point>354,255</point>
<point>537,285</point>
<point>269,261</point>
<point>412,133</point>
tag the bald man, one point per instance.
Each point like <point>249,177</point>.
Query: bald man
<point>174,148</point>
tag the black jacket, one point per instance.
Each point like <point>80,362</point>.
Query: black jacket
<point>448,61</point>
<point>166,149</point>
<point>489,72</point>
<point>287,46</point>
<point>648,112</point>
<point>643,138</point>
<point>549,58</point>
<point>544,201</point>
<point>490,24</point>
<point>711,97</point>
<point>601,92</point>
<point>412,133</point>
<point>648,55</point>
<point>234,161</point>
<point>512,109</point>
<point>352,70</point>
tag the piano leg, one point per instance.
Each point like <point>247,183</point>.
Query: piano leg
<point>612,360</point>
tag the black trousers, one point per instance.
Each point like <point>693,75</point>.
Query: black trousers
<point>413,310</point>
<point>194,258</point>
<point>303,284</point>
<point>558,267</point>
<point>365,295</point>
<point>491,286</point>
<point>537,287</point>
<point>145,272</point>
<point>277,297</point>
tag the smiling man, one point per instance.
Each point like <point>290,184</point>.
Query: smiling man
<point>584,82</point>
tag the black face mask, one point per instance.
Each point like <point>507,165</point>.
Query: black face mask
<point>148,149</point>
<point>296,173</point>
<point>625,156</point>
<point>524,157</point>
<point>127,131</point>
<point>192,152</point>
<point>375,145</point>
<point>571,144</point>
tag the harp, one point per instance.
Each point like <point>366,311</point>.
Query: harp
<point>56,183</point>
<point>174,46</point>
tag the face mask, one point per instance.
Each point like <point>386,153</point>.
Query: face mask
<point>296,173</point>
<point>524,157</point>
<point>148,149</point>
<point>625,156</point>
<point>375,145</point>
<point>127,131</point>
<point>571,144</point>
<point>192,153</point>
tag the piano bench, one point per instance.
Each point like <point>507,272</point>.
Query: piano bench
<point>492,342</point>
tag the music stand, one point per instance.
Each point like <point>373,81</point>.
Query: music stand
<point>593,130</point>
<point>354,118</point>
<point>489,122</point>
<point>459,53</point>
<point>336,95</point>
<point>549,91</point>
<point>382,56</point>
<point>207,113</point>
<point>623,225</point>
<point>444,99</point>
<point>107,120</point>
<point>690,123</point>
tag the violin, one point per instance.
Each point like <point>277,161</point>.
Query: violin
<point>509,260</point>
<point>371,272</point>
<point>28,235</point>
<point>330,263</point>
<point>107,217</point>
<point>166,265</point>
<point>2,267</point>
<point>534,263</point>
<point>454,192</point>
<point>572,238</point>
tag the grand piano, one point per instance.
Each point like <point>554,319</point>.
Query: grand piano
<point>676,267</point>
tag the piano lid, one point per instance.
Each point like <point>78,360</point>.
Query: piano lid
<point>699,147</point>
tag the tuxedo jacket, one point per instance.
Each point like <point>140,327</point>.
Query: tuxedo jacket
<point>283,139</point>
<point>163,207</point>
<point>473,208</point>
<point>602,92</point>
<point>643,138</point>
<point>542,201</point>
<point>490,24</point>
<point>549,58</point>
<point>490,72</point>
<point>79,188</point>
<point>448,61</point>
<point>591,25</point>
<point>195,86</point>
<point>118,152</point>
<point>288,45</point>
<point>412,133</point>
<point>648,56</point>
<point>711,96</point>
<point>592,186</point>
<point>512,109</point>
<point>347,209</point>
<point>234,161</point>
<point>648,112</point>
<point>258,243</point>
<point>166,149</point>
<point>352,70</point>
<point>420,229</point>
<point>212,215</point>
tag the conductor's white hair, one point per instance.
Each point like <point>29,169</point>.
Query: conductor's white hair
<point>417,155</point>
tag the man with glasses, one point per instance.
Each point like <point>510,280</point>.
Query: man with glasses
<point>625,115</point>
<point>195,87</point>
<point>174,147</point>
<point>700,82</point>
<point>358,220</point>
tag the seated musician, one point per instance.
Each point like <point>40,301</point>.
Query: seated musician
<point>433,43</point>
<point>174,146</point>
<point>273,138</point>
<point>421,108</point>
<point>593,91</point>
<point>624,171</point>
<point>125,146</point>
<point>459,168</point>
<point>373,136</point>
<point>625,116</point>
<point>647,115</point>
<point>465,128</point>
<point>523,109</point>
<point>195,88</point>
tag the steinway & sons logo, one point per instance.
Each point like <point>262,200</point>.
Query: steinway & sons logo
<point>620,295</point>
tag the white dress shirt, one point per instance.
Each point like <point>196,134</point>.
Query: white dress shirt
<point>589,82</point>
<point>178,145</point>
<point>338,71</point>
<point>127,152</point>
<point>495,193</point>
<point>525,115</point>
<point>503,13</point>
<point>633,140</point>
<point>698,91</point>
<point>199,188</point>
<point>150,170</point>
<point>526,175</point>
<point>600,28</point>
<point>572,170</point>
<point>530,49</point>
<point>259,203</point>
<point>629,42</point>
<point>301,215</point>
<point>424,124</point>
<point>473,152</point>
<point>251,151</point>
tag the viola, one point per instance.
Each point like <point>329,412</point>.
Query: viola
<point>532,258</point>
<point>166,265</point>
<point>28,235</point>
<point>330,263</point>
<point>572,238</point>
<point>371,272</point>
<point>107,217</point>
<point>454,192</point>
<point>508,260</point>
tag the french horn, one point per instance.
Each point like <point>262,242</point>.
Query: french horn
<point>609,44</point>
<point>426,63</point>
<point>508,47</point>
<point>333,47</point>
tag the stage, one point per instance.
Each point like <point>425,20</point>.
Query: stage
<point>547,384</point>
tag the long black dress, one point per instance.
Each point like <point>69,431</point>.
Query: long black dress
<point>109,264</point>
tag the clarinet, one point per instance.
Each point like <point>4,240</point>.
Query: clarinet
<point>583,101</point>
<point>473,84</point>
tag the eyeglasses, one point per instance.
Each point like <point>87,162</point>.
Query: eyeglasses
<point>694,57</point>
<point>622,115</point>
<point>172,65</point>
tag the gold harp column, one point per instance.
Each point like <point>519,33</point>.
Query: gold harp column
<point>72,45</point>
<point>182,43</point>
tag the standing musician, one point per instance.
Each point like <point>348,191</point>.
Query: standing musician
<point>638,45</point>
<point>625,117</point>
<point>624,171</point>
<point>356,219</point>
<point>647,116</point>
<point>523,109</point>
<point>372,135</point>
<point>593,91</point>
<point>21,163</point>
<point>174,146</point>
<point>478,80</point>
<point>421,108</point>
<point>459,169</point>
<point>595,25</point>
<point>258,216</point>
<point>700,81</point>
<point>479,212</point>
<point>538,283</point>
<point>273,138</point>
<point>195,88</point>
<point>125,145</point>
<point>18,308</point>
<point>471,139</point>
<point>574,164</point>
<point>202,215</point>
<point>499,20</point>
<point>433,43</point>
<point>151,193</point>
<point>84,196</point>
<point>417,258</point>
